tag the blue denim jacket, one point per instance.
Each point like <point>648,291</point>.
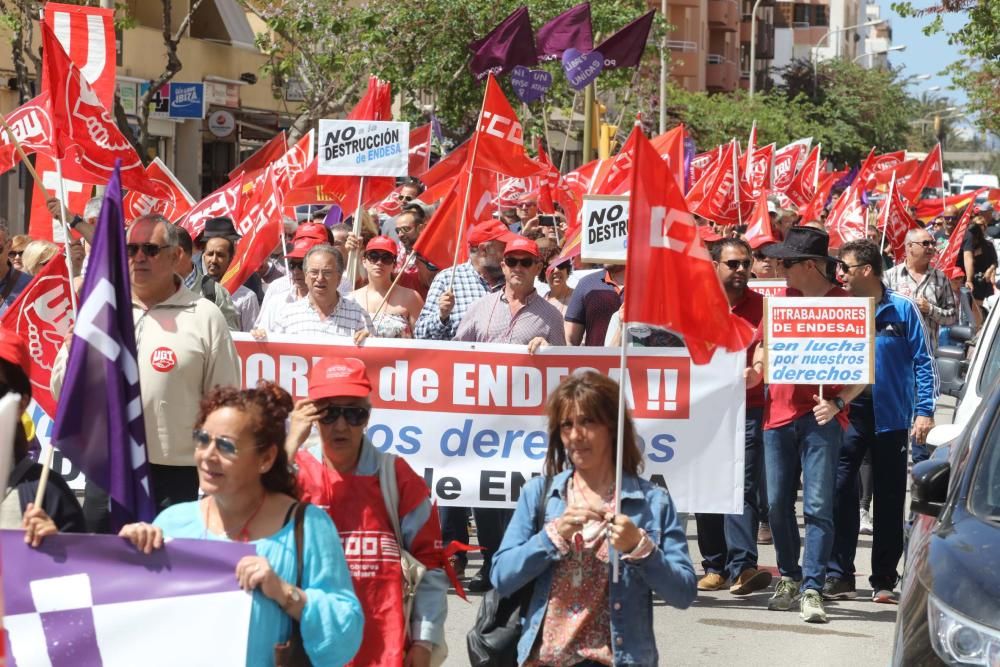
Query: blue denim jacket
<point>527,555</point>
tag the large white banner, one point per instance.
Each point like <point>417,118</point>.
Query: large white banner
<point>470,417</point>
<point>363,148</point>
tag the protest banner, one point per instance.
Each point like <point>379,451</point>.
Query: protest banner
<point>97,600</point>
<point>819,340</point>
<point>605,229</point>
<point>768,287</point>
<point>363,148</point>
<point>470,418</point>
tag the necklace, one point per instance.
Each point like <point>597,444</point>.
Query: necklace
<point>244,534</point>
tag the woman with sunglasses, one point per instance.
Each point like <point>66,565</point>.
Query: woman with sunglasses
<point>395,316</point>
<point>17,246</point>
<point>559,290</point>
<point>577,615</point>
<point>342,474</point>
<point>250,497</point>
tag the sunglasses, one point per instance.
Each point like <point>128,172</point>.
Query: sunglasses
<point>926,244</point>
<point>514,262</point>
<point>789,263</point>
<point>759,256</point>
<point>16,253</point>
<point>430,267</point>
<point>406,198</point>
<point>295,265</point>
<point>735,264</point>
<point>203,440</point>
<point>380,258</point>
<point>148,249</point>
<point>845,267</point>
<point>354,416</point>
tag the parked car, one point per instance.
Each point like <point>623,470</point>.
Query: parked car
<point>972,182</point>
<point>949,607</point>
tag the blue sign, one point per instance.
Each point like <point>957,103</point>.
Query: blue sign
<point>187,100</point>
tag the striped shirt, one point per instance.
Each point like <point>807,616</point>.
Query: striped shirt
<point>935,287</point>
<point>489,320</point>
<point>301,318</point>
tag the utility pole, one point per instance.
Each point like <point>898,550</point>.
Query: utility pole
<point>663,71</point>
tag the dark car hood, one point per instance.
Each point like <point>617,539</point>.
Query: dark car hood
<point>962,568</point>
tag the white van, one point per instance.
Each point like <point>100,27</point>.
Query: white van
<point>975,181</point>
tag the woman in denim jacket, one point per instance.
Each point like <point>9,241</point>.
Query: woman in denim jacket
<point>577,616</point>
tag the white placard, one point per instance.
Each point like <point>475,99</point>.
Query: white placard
<point>605,229</point>
<point>363,148</point>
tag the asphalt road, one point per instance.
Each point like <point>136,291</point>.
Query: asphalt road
<point>721,629</point>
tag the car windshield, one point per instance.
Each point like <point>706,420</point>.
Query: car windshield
<point>984,499</point>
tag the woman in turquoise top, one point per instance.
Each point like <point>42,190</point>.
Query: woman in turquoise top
<point>249,497</point>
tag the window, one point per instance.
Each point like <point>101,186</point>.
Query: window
<point>801,14</point>
<point>820,16</point>
<point>984,496</point>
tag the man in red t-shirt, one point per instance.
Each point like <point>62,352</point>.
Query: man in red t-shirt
<point>728,542</point>
<point>802,429</point>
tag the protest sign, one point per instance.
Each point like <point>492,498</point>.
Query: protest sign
<point>605,229</point>
<point>470,418</point>
<point>768,287</point>
<point>97,600</point>
<point>363,148</point>
<point>819,340</point>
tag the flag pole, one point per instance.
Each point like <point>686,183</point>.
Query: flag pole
<point>569,125</point>
<point>736,186</point>
<point>885,211</point>
<point>459,236</point>
<point>622,370</point>
<point>352,259</point>
<point>284,253</point>
<point>43,479</point>
<point>66,236</point>
<point>944,195</point>
<point>545,126</point>
<point>20,151</point>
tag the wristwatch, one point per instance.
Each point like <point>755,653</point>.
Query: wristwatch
<point>75,221</point>
<point>839,402</point>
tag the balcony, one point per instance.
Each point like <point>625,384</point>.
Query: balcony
<point>683,3</point>
<point>724,15</point>
<point>721,75</point>
<point>684,63</point>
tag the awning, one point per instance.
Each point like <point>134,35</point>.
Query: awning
<point>237,25</point>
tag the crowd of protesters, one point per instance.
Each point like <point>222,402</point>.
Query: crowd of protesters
<point>246,476</point>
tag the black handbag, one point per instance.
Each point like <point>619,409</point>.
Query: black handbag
<point>492,641</point>
<point>292,653</point>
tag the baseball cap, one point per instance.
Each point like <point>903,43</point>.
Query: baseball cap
<point>382,243</point>
<point>13,349</point>
<point>338,376</point>
<point>308,235</point>
<point>490,230</point>
<point>521,244</point>
<point>707,235</point>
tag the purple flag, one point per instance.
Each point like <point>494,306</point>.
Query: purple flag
<point>509,44</point>
<point>99,424</point>
<point>625,47</point>
<point>569,30</point>
<point>95,599</point>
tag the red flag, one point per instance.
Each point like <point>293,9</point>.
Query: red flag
<point>665,249</point>
<point>42,224</point>
<point>87,35</point>
<point>848,220</point>
<point>224,201</point>
<point>786,161</point>
<point>813,209</point>
<point>803,185</point>
<point>264,156</point>
<point>174,205</point>
<point>716,195</point>
<point>420,149</point>
<point>902,172</point>
<point>874,164</point>
<point>759,229</point>
<point>949,258</point>
<point>896,221</point>
<point>552,190</point>
<point>928,209</point>
<point>311,188</point>
<point>32,126</point>
<point>260,227</point>
<point>670,147</point>
<point>756,177</point>
<point>437,243</point>
<point>43,315</point>
<point>928,175</point>
<point>376,104</point>
<point>440,179</point>
<point>702,162</point>
<point>499,138</point>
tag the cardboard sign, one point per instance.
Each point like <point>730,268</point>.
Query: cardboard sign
<point>363,148</point>
<point>605,229</point>
<point>768,287</point>
<point>819,340</point>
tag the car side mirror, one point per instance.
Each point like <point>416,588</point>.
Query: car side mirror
<point>950,352</point>
<point>930,487</point>
<point>961,333</point>
<point>952,375</point>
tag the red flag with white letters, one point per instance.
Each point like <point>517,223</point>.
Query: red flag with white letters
<point>786,162</point>
<point>437,242</point>
<point>420,150</point>
<point>756,177</point>
<point>949,258</point>
<point>670,147</point>
<point>177,202</point>
<point>31,124</point>
<point>848,219</point>
<point>665,249</point>
<point>896,220</point>
<point>804,184</point>
<point>499,138</point>
<point>716,195</point>
<point>226,201</point>
<point>259,227</point>
<point>264,156</point>
<point>927,175</point>
<point>759,229</point>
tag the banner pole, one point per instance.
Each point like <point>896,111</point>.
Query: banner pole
<point>885,211</point>
<point>460,232</point>
<point>66,235</point>
<point>352,258</point>
<point>43,479</point>
<point>623,360</point>
<point>569,125</point>
<point>284,256</point>
<point>20,151</point>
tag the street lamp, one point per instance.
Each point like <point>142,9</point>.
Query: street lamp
<point>901,47</point>
<point>815,49</point>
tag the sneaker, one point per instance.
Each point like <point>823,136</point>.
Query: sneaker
<point>839,589</point>
<point>785,595</point>
<point>811,607</point>
<point>750,580</point>
<point>884,596</point>
<point>866,523</point>
<point>764,534</point>
<point>713,581</point>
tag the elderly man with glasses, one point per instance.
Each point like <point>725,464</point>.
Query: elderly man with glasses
<point>928,287</point>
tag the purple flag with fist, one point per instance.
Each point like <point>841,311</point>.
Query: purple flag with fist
<point>99,424</point>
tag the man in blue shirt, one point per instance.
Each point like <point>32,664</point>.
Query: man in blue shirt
<point>12,281</point>
<point>904,393</point>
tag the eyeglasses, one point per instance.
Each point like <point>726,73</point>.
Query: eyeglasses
<point>735,264</point>
<point>316,273</point>
<point>148,249</point>
<point>226,447</point>
<point>380,258</point>
<point>354,415</point>
<point>514,262</point>
<point>295,265</point>
<point>926,244</point>
<point>789,263</point>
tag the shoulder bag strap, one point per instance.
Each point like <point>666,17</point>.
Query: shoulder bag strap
<point>300,520</point>
<point>390,492</point>
<point>540,510</point>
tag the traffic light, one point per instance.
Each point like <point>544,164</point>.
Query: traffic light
<point>607,144</point>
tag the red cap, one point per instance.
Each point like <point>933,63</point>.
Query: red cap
<point>338,376</point>
<point>490,230</point>
<point>307,235</point>
<point>954,272</point>
<point>382,243</point>
<point>521,244</point>
<point>13,349</point>
<point>707,235</point>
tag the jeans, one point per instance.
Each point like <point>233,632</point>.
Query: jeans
<point>491,523</point>
<point>173,484</point>
<point>728,542</point>
<point>888,452</point>
<point>817,448</point>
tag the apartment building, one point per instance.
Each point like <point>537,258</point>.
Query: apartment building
<point>826,29</point>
